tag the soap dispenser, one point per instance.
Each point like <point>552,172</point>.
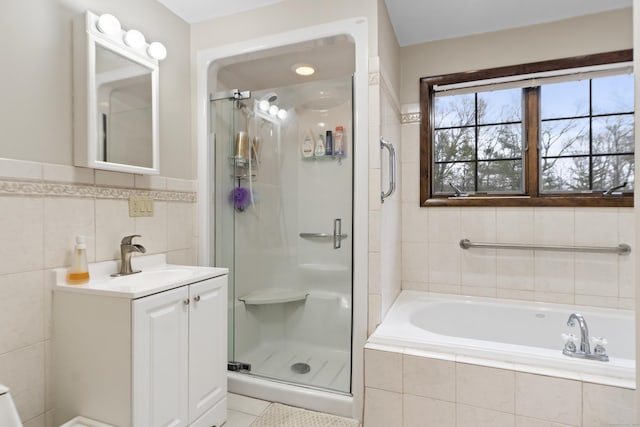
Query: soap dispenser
<point>78,273</point>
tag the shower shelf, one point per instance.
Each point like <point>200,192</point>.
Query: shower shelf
<point>323,158</point>
<point>273,296</point>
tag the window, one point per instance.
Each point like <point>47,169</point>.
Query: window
<point>553,133</point>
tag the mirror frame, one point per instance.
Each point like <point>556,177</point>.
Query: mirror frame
<point>85,143</point>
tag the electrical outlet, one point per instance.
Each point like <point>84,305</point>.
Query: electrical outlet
<point>140,206</point>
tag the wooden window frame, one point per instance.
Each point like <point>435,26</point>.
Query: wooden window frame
<point>532,196</point>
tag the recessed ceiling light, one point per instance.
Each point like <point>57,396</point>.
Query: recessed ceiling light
<point>304,69</point>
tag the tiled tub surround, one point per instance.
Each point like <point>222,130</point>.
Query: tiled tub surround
<point>442,380</point>
<point>407,387</point>
<point>43,207</point>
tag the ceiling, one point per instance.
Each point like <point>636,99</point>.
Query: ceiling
<point>418,21</point>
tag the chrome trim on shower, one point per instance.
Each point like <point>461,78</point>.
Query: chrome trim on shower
<point>236,94</point>
<point>392,169</point>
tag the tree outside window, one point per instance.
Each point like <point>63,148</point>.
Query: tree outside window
<point>559,141</point>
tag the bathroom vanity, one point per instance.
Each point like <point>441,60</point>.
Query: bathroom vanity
<point>146,349</point>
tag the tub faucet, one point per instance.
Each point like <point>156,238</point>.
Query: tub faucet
<point>584,331</point>
<point>127,248</point>
<point>584,350</point>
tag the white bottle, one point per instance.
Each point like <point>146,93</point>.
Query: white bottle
<point>78,273</point>
<point>320,147</point>
<point>307,147</point>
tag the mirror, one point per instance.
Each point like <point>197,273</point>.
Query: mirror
<point>115,100</point>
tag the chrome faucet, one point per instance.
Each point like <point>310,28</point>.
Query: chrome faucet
<point>584,331</point>
<point>127,248</point>
<point>584,350</point>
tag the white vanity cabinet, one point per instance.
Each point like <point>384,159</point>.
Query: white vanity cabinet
<point>155,360</point>
<point>176,354</point>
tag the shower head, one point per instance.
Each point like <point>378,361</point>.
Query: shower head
<point>270,97</point>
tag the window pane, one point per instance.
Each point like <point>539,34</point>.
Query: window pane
<point>566,99</point>
<point>611,171</point>
<point>502,175</point>
<point>455,110</point>
<point>459,174</point>
<point>500,106</point>
<point>612,94</point>
<point>500,142</point>
<point>565,174</point>
<point>613,134</point>
<point>454,144</point>
<point>564,137</point>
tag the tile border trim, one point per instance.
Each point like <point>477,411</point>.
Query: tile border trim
<point>57,189</point>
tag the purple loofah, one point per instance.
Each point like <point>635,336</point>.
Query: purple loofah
<point>240,197</point>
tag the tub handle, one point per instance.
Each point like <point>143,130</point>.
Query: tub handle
<point>392,169</point>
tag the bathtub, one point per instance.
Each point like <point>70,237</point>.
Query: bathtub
<point>508,334</point>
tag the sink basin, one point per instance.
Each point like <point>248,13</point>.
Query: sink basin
<point>166,275</point>
<point>155,276</point>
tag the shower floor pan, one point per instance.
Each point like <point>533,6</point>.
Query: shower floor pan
<point>301,363</point>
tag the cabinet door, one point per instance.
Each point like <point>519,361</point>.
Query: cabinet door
<point>160,359</point>
<point>208,345</point>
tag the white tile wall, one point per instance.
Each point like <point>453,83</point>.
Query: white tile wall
<point>382,408</point>
<point>564,277</point>
<point>37,232</point>
<point>385,220</point>
<point>443,392</point>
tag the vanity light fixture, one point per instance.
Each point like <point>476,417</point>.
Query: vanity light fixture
<point>109,25</point>
<point>156,50</point>
<point>273,110</point>
<point>264,105</point>
<point>134,39</point>
<point>282,114</point>
<point>304,69</point>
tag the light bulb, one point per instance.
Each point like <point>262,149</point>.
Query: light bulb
<point>108,24</point>
<point>304,69</point>
<point>282,114</point>
<point>134,39</point>
<point>263,105</point>
<point>273,110</point>
<point>156,50</point>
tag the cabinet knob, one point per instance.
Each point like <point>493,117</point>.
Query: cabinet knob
<point>186,302</point>
<point>196,298</point>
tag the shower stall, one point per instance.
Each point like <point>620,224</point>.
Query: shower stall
<point>282,169</point>
<point>283,228</point>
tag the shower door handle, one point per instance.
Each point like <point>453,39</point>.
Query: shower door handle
<point>337,233</point>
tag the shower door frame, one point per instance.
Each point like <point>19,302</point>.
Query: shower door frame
<point>357,30</point>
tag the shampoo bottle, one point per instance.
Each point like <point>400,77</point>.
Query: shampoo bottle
<point>320,147</point>
<point>78,273</point>
<point>307,147</point>
<point>338,141</point>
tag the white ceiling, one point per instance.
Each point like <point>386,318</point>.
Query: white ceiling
<point>418,21</point>
<point>201,10</point>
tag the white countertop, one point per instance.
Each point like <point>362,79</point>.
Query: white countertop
<point>156,276</point>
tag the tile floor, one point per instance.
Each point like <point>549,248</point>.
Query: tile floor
<point>245,411</point>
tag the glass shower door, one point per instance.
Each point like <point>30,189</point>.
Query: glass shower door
<point>284,228</point>
<point>223,124</point>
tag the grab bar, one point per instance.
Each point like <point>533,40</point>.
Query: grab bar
<point>621,249</point>
<point>392,169</point>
